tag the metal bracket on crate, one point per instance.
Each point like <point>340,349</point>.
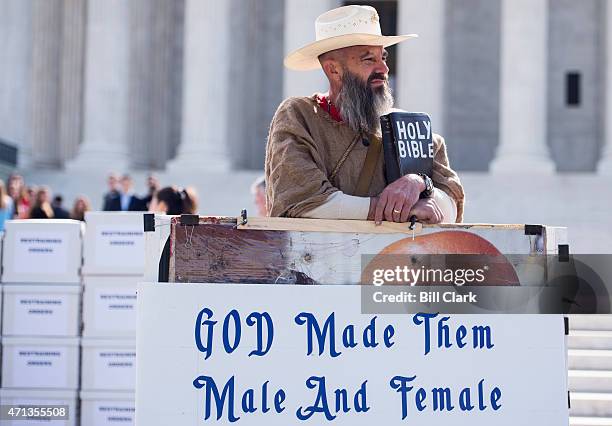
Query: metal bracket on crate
<point>149,222</point>
<point>189,220</point>
<point>533,229</point>
<point>563,252</point>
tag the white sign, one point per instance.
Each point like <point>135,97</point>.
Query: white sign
<point>40,253</point>
<point>286,355</point>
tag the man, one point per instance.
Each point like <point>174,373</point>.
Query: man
<point>113,191</point>
<point>317,145</point>
<point>152,188</point>
<point>125,200</point>
<point>59,212</point>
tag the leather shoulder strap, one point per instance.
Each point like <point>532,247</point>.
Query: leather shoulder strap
<point>342,159</point>
<point>369,165</point>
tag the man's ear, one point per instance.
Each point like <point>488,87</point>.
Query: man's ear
<point>332,70</point>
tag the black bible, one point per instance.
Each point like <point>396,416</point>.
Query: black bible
<point>407,144</point>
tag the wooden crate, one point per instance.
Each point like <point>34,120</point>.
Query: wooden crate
<point>313,251</point>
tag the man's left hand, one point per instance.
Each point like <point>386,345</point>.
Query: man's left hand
<point>427,211</point>
<point>398,198</point>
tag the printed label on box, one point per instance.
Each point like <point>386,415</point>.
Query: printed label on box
<point>120,246</point>
<point>42,367</point>
<point>42,315</point>
<point>114,412</point>
<point>115,308</point>
<point>40,253</point>
<point>115,368</point>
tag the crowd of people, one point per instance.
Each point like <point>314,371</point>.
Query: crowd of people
<point>21,201</point>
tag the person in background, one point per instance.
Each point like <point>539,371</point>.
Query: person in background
<point>21,198</point>
<point>59,212</point>
<point>126,200</point>
<point>81,205</point>
<point>173,201</point>
<point>258,190</point>
<point>6,206</point>
<point>152,187</point>
<point>113,190</point>
<point>41,208</point>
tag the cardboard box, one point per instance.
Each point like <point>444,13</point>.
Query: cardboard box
<point>41,310</point>
<point>109,306</point>
<point>108,364</point>
<point>40,363</point>
<point>41,397</point>
<point>42,251</point>
<point>107,408</point>
<point>114,243</point>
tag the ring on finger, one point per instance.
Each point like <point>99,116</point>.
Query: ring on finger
<point>397,211</point>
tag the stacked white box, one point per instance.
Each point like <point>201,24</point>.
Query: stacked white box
<point>107,408</point>
<point>108,364</point>
<point>41,317</point>
<point>114,257</point>
<point>40,363</point>
<point>114,244</point>
<point>109,306</point>
<point>20,397</point>
<point>37,310</point>
<point>42,251</point>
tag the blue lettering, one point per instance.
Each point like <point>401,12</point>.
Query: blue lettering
<point>229,348</point>
<point>313,326</point>
<point>211,389</point>
<point>206,348</point>
<point>259,318</point>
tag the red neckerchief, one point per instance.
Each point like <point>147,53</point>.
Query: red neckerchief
<point>329,107</point>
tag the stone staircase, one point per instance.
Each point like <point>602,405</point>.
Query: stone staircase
<point>590,370</point>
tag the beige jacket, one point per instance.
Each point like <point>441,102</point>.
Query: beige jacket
<point>304,146</point>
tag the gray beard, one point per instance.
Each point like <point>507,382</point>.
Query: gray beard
<point>361,106</point>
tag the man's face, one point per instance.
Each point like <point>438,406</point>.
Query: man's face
<point>369,63</point>
<point>126,184</point>
<point>112,182</point>
<point>363,93</point>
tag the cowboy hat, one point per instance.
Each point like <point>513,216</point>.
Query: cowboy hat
<point>342,27</point>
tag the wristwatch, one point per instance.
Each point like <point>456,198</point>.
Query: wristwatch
<point>429,187</point>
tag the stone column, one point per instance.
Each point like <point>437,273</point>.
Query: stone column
<point>421,61</point>
<point>299,31</point>
<point>15,76</point>
<point>45,103</point>
<point>154,101</point>
<point>605,164</point>
<point>256,75</point>
<point>104,145</point>
<point>205,137</point>
<point>523,94</point>
<point>72,78</point>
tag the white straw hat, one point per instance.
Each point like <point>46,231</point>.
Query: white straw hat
<point>342,27</point>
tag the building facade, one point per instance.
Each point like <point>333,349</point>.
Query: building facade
<point>169,85</point>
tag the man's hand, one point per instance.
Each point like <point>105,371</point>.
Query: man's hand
<point>427,211</point>
<point>398,198</point>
